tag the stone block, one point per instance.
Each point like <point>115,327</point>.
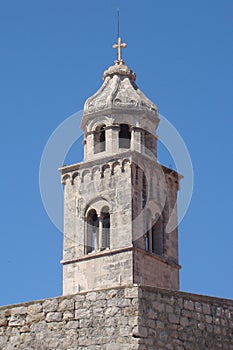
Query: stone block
<point>66,304</point>
<point>184,321</point>
<point>124,302</point>
<point>53,317</point>
<point>3,319</point>
<point>79,298</point>
<point>219,311</point>
<point>131,292</point>
<point>140,332</point>
<point>25,329</point>
<point>159,306</point>
<point>209,319</point>
<point>229,314</point>
<point>91,296</point>
<point>112,311</point>
<point>133,321</point>
<point>169,309</point>
<point>189,304</point>
<point>206,308</point>
<point>160,324</point>
<point>68,315</point>
<point>17,320</point>
<point>209,328</point>
<point>85,323</point>
<point>125,331</point>
<point>21,310</point>
<point>217,330</point>
<point>82,313</point>
<point>173,318</point>
<point>197,316</point>
<point>72,325</point>
<point>111,294</point>
<point>34,308</point>
<point>98,311</point>
<point>50,305</point>
<point>198,306</point>
<point>37,317</point>
<point>201,326</point>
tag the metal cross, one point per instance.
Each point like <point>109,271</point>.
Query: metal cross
<point>119,46</point>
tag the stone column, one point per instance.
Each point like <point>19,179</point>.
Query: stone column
<point>112,139</point>
<point>136,139</point>
<point>96,243</point>
<point>100,232</point>
<point>89,145</point>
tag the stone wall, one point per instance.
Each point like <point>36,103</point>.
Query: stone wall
<point>98,270</point>
<point>130,317</point>
<point>182,321</point>
<point>153,270</point>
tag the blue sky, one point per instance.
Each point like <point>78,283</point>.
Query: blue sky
<point>53,54</point>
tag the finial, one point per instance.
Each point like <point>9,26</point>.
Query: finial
<point>119,46</point>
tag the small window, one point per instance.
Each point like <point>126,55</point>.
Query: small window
<point>92,231</point>
<point>158,237</point>
<point>124,136</point>
<point>99,139</point>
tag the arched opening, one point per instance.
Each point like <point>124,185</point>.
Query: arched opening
<point>105,219</point>
<point>124,136</point>
<point>158,237</point>
<point>92,231</point>
<point>99,139</point>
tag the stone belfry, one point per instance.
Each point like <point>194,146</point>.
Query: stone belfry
<point>120,217</point>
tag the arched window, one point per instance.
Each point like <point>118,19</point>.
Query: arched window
<point>92,231</point>
<point>124,136</point>
<point>158,236</point>
<point>99,139</point>
<point>105,219</point>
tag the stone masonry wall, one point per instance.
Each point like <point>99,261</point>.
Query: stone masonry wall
<point>153,270</point>
<point>123,318</point>
<point>182,321</point>
<point>103,319</point>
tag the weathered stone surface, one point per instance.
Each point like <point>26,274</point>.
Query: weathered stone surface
<point>21,310</point>
<point>53,317</point>
<point>50,305</point>
<point>118,319</point>
<point>16,320</point>
<point>188,304</point>
<point>66,304</point>
<point>173,318</point>
<point>34,308</point>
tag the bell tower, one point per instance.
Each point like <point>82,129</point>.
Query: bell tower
<point>120,216</point>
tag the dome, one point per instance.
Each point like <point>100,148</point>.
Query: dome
<point>118,91</point>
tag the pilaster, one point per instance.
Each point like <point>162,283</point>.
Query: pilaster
<point>112,139</point>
